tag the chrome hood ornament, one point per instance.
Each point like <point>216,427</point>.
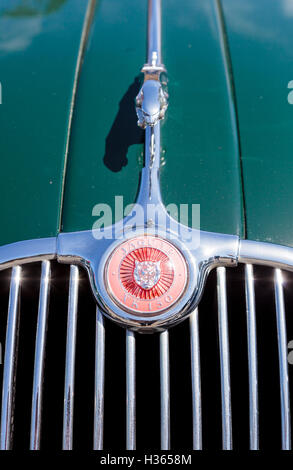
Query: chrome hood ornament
<point>152,99</point>
<point>151,103</point>
<point>150,274</point>
<point>147,273</point>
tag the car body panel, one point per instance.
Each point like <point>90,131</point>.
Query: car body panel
<point>200,133</point>
<point>199,142</point>
<point>260,41</point>
<point>200,145</point>
<point>106,149</point>
<point>38,51</point>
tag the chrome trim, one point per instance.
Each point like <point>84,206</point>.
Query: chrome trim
<point>266,254</point>
<point>154,30</point>
<point>152,99</point>
<point>130,391</point>
<point>249,251</point>
<point>37,399</point>
<point>165,390</point>
<point>82,248</point>
<point>150,191</point>
<point>252,358</point>
<point>27,251</point>
<point>283,363</point>
<point>214,251</point>
<point>88,250</point>
<point>10,361</point>
<point>151,103</point>
<point>99,381</point>
<point>228,248</point>
<point>70,359</point>
<point>196,381</point>
<point>91,251</point>
<point>85,248</point>
<point>224,360</point>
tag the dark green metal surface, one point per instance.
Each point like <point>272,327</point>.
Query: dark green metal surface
<point>200,135</point>
<point>38,48</point>
<point>201,165</point>
<point>199,141</point>
<point>260,36</point>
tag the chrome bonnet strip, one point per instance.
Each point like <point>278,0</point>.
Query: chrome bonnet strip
<point>154,31</point>
<point>36,414</point>
<point>224,359</point>
<point>252,357</point>
<point>196,381</point>
<point>283,363</point>
<point>130,391</point>
<point>70,359</point>
<point>165,390</point>
<point>151,104</point>
<point>99,381</point>
<point>10,361</point>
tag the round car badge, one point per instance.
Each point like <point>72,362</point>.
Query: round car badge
<point>146,274</point>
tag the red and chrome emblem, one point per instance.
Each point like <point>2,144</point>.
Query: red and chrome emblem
<point>146,274</point>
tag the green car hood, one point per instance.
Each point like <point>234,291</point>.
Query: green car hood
<point>38,53</point>
<point>226,140</point>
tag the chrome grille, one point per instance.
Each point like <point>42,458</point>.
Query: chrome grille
<point>185,382</point>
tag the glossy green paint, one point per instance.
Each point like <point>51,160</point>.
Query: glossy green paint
<point>200,134</point>
<point>106,151</point>
<point>39,44</point>
<point>260,37</point>
<point>38,52</point>
<point>199,139</point>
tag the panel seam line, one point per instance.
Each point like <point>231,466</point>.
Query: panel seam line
<point>81,50</point>
<point>232,100</point>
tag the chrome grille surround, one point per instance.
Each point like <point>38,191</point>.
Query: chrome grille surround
<point>85,249</point>
<point>214,251</point>
<point>250,253</point>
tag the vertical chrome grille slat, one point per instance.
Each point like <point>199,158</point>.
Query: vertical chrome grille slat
<point>70,359</point>
<point>10,360</point>
<point>283,364</point>
<point>36,417</point>
<point>99,381</point>
<point>165,390</point>
<point>252,357</point>
<point>196,381</point>
<point>130,391</point>
<point>224,360</point>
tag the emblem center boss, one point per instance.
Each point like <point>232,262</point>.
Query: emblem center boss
<point>146,274</point>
